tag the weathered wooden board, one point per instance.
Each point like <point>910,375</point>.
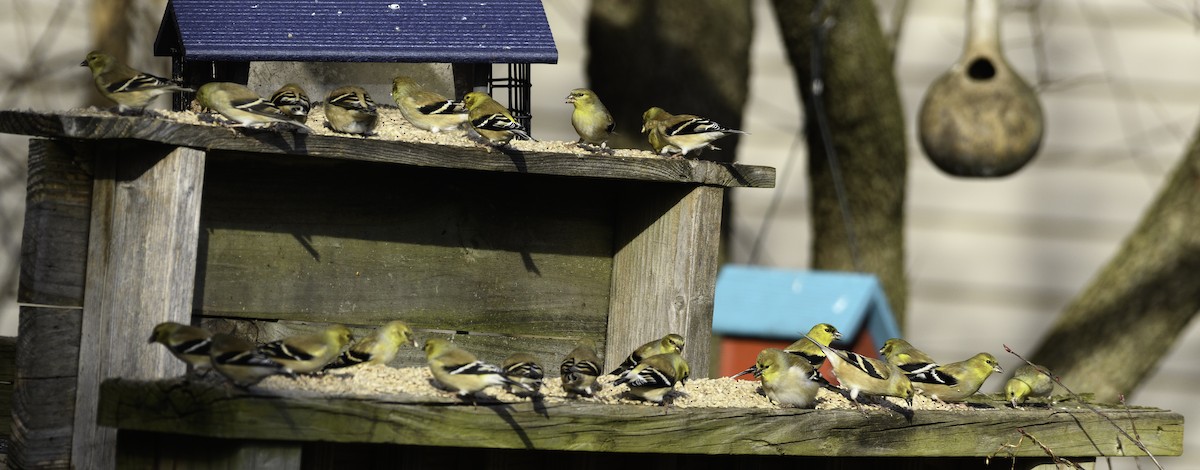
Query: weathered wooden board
<point>206,409</point>
<point>492,348</point>
<point>363,243</point>
<point>665,271</point>
<point>57,212</point>
<point>43,399</point>
<point>141,268</point>
<point>8,375</point>
<point>158,451</point>
<point>77,126</point>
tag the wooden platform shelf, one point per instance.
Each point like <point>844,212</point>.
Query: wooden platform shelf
<point>958,439</point>
<point>132,221</point>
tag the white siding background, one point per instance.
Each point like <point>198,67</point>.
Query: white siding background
<point>990,261</point>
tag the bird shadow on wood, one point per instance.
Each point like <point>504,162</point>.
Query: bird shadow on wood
<point>504,411</point>
<point>306,242</point>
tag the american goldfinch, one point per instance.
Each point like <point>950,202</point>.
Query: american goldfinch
<point>240,362</point>
<point>590,118</point>
<point>188,343</point>
<point>906,356</point>
<point>671,343</point>
<point>954,382</point>
<point>378,348</point>
<point>490,120</point>
<point>805,349</point>
<point>459,371</point>
<point>786,378</point>
<point>129,88</point>
<point>580,370</point>
<point>304,354</point>
<point>350,109</point>
<point>1027,382</point>
<point>293,101</point>
<point>523,369</point>
<point>242,105</point>
<point>425,109</point>
<point>683,133</point>
<point>655,376</point>
<point>860,374</point>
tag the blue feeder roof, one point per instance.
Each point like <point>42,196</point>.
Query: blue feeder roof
<point>453,31</point>
<point>782,304</point>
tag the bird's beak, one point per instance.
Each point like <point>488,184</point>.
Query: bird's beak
<point>83,63</point>
<point>750,370</point>
<point>570,99</point>
<point>837,336</point>
<point>998,369</point>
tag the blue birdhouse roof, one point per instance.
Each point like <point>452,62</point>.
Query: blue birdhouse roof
<point>448,31</point>
<point>782,304</point>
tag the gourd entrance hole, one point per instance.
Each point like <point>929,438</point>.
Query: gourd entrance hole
<point>981,69</point>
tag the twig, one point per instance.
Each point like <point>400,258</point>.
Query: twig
<point>1089,406</point>
<point>1057,460</point>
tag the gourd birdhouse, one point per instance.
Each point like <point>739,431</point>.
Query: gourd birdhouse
<point>218,40</point>
<point>980,118</point>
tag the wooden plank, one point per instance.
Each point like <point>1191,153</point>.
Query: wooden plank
<point>208,409</point>
<point>492,348</point>
<point>8,375</point>
<point>665,272</point>
<point>138,449</point>
<point>78,126</point>
<point>43,396</point>
<point>54,241</point>
<point>140,271</point>
<point>334,241</point>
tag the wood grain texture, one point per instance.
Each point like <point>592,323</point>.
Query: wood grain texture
<point>138,449</point>
<point>57,208</point>
<point>665,272</point>
<point>205,409</point>
<point>398,152</point>
<point>140,272</point>
<point>363,243</point>
<point>8,375</point>
<point>43,398</point>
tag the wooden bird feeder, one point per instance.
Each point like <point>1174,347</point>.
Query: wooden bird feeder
<point>980,118</point>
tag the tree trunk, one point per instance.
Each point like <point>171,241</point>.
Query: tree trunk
<point>1115,331</point>
<point>862,113</point>
<point>685,56</point>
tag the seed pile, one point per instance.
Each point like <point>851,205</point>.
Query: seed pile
<point>416,384</point>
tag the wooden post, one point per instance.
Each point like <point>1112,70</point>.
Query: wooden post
<point>53,247</point>
<point>141,269</point>
<point>665,272</point>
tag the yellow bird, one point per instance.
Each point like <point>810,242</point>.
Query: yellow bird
<point>1027,382</point>
<point>957,381</point>
<point>580,370</point>
<point>240,362</point>
<point>378,348</point>
<point>671,343</point>
<point>860,374</point>
<point>292,101</point>
<point>590,119</point>
<point>187,343</point>
<point>305,354</point>
<point>655,376</point>
<point>492,121</point>
<point>242,105</point>
<point>459,371</point>
<point>682,133</point>
<point>351,110</point>
<point>524,370</point>
<point>805,349</point>
<point>425,109</point>
<point>907,357</point>
<point>787,379</point>
<point>128,88</point>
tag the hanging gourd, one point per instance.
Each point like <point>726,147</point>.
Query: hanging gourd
<point>980,118</point>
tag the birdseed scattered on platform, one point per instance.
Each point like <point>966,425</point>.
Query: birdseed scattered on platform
<point>416,383</point>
